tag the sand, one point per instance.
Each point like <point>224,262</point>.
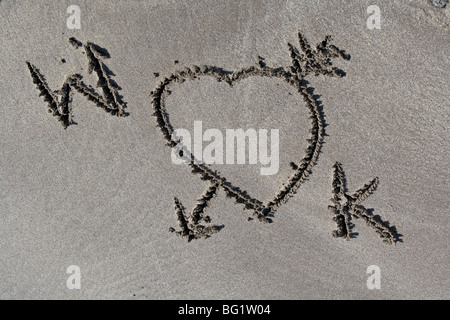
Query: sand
<point>100,194</point>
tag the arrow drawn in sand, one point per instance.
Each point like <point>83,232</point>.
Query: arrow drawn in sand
<point>305,61</point>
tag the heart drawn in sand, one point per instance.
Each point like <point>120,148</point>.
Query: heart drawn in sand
<point>307,61</point>
<point>262,210</point>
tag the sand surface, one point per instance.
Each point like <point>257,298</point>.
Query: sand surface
<point>100,194</point>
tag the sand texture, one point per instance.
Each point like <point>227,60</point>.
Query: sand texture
<point>87,122</point>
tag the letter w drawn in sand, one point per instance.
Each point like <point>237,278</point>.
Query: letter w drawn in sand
<point>59,101</point>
